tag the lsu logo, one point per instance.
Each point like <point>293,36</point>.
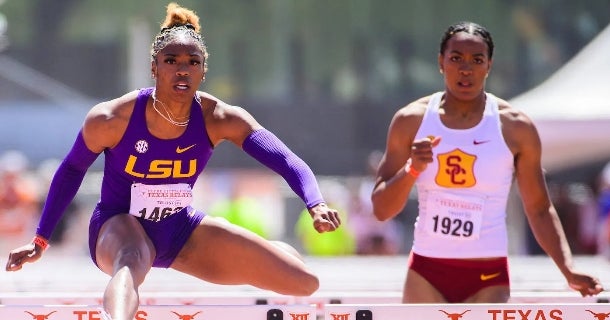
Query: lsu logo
<point>456,169</point>
<point>161,169</point>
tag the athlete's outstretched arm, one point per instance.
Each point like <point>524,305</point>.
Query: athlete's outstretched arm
<point>403,159</point>
<point>239,126</point>
<point>70,174</point>
<point>540,211</point>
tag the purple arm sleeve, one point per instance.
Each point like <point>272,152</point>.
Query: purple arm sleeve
<point>265,147</point>
<point>65,184</point>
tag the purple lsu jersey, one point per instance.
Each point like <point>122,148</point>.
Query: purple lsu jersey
<point>143,158</point>
<point>140,157</point>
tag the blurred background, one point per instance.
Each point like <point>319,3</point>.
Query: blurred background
<point>326,77</point>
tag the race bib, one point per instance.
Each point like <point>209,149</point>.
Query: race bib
<point>157,202</point>
<point>454,217</point>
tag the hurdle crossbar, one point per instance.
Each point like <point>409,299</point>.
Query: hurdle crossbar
<point>250,298</point>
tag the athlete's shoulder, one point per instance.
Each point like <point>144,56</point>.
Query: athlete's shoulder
<point>107,120</point>
<point>517,127</point>
<point>217,108</point>
<point>224,121</point>
<point>416,108</point>
<point>205,98</point>
<point>511,115</point>
<point>118,107</point>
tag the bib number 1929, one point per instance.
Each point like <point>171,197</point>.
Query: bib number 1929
<point>453,227</point>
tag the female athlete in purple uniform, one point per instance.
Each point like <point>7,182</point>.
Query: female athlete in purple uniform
<point>156,142</point>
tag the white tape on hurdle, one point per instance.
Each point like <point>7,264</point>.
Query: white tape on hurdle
<point>252,298</point>
<point>591,311</point>
<point>208,312</point>
<point>510,311</point>
<point>556,297</point>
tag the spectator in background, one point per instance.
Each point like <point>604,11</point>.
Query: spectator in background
<point>341,242</point>
<point>337,243</point>
<point>373,237</point>
<point>603,200</point>
<point>576,208</point>
<point>543,55</point>
<point>588,216</point>
<point>70,235</point>
<point>19,200</point>
<point>242,210</point>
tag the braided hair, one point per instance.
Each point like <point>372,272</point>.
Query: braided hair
<point>179,22</point>
<point>470,28</point>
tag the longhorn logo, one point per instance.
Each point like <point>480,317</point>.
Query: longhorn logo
<point>454,316</point>
<point>599,316</point>
<point>186,316</point>
<point>40,316</point>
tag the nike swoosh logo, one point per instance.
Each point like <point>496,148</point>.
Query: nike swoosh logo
<point>480,142</point>
<point>181,150</point>
<point>485,277</point>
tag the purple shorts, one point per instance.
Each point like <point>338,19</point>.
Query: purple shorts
<point>458,279</point>
<point>168,235</point>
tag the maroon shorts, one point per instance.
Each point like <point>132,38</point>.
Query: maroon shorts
<point>458,279</point>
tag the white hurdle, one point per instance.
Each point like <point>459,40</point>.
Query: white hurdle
<point>511,311</point>
<point>320,302</point>
<point>169,312</point>
<point>269,298</point>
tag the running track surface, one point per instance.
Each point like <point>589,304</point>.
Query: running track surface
<point>60,272</point>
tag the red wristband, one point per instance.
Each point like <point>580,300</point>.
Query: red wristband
<point>41,242</point>
<point>411,171</point>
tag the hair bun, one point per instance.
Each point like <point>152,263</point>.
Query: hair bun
<point>180,16</point>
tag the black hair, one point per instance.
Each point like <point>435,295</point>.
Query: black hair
<point>179,21</point>
<point>470,28</point>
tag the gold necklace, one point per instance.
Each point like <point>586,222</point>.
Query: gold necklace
<point>169,117</point>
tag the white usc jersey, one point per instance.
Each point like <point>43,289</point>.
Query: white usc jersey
<point>463,193</point>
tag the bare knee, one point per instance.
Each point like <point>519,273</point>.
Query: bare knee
<point>308,285</point>
<point>307,282</point>
<point>134,261</point>
<point>122,243</point>
<point>288,248</point>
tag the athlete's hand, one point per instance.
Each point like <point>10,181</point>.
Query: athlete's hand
<point>421,152</point>
<point>325,219</point>
<point>18,257</point>
<point>585,284</point>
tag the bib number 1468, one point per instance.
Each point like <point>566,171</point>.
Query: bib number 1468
<point>158,213</point>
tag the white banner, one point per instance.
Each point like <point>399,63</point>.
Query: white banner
<point>226,312</point>
<point>593,311</point>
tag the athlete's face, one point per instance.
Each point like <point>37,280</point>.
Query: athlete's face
<point>465,65</point>
<point>179,69</point>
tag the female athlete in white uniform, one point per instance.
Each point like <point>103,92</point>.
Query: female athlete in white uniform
<point>462,147</point>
